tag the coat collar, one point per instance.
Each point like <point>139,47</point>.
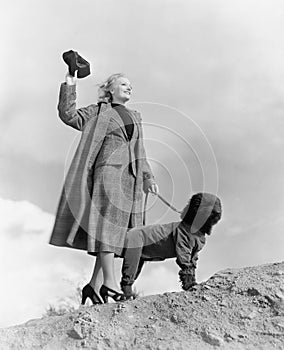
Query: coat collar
<point>106,108</point>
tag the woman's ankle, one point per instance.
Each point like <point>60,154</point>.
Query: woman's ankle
<point>112,285</point>
<point>96,287</point>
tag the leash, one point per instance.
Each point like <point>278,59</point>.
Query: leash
<point>163,200</point>
<point>168,204</point>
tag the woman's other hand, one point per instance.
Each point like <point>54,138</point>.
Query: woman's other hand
<point>154,189</point>
<point>70,80</point>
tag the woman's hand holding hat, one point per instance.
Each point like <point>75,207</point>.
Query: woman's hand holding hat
<point>70,80</point>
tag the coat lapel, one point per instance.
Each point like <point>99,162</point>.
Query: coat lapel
<point>99,133</point>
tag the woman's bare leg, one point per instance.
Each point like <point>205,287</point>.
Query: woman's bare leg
<point>97,277</point>
<point>107,263</point>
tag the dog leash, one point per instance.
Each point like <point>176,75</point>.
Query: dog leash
<point>163,200</point>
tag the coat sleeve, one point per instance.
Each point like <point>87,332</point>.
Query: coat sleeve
<point>68,113</point>
<point>148,177</point>
<point>185,247</point>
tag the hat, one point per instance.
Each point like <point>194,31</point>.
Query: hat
<point>76,62</point>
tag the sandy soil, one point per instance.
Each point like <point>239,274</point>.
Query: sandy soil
<point>234,309</point>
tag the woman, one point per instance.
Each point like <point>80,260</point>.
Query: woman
<point>102,194</point>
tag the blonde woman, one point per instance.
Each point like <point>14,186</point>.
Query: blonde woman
<point>102,193</point>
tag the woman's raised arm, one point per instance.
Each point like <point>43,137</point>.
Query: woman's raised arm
<point>68,113</point>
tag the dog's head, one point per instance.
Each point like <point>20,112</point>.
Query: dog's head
<point>202,212</point>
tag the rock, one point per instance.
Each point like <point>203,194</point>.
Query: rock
<point>253,292</point>
<point>76,332</point>
<point>206,298</point>
<point>230,336</point>
<point>279,273</point>
<point>280,325</point>
<point>249,314</point>
<point>280,296</point>
<point>241,336</point>
<point>223,304</point>
<point>212,338</point>
<point>207,287</point>
<point>174,319</point>
<point>252,315</point>
<point>83,343</point>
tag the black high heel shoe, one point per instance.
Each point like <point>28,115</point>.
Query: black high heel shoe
<point>106,292</point>
<point>88,292</point>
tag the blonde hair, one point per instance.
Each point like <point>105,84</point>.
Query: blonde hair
<point>104,93</point>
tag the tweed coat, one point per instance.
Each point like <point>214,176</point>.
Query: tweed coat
<point>101,193</point>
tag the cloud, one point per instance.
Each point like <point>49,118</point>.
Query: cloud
<point>33,273</point>
<point>23,219</point>
<point>158,277</point>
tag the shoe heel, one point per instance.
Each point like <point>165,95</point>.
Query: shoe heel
<point>84,298</point>
<point>106,292</point>
<point>88,292</point>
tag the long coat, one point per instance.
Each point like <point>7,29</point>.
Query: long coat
<point>80,220</point>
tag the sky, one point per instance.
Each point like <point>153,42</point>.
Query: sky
<point>208,79</point>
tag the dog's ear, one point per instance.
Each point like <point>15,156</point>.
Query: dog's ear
<point>187,279</point>
<point>184,211</point>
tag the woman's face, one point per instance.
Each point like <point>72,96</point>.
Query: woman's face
<point>121,90</point>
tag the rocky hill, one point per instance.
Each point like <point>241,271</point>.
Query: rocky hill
<point>234,309</point>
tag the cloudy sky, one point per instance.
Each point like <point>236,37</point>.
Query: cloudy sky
<point>208,77</point>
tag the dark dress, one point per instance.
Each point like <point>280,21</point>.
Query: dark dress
<point>125,115</point>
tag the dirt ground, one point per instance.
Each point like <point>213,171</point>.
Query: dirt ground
<point>234,309</point>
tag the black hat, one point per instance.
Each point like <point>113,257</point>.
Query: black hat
<point>76,62</point>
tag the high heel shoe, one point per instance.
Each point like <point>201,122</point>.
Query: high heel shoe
<point>88,292</point>
<point>106,292</point>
